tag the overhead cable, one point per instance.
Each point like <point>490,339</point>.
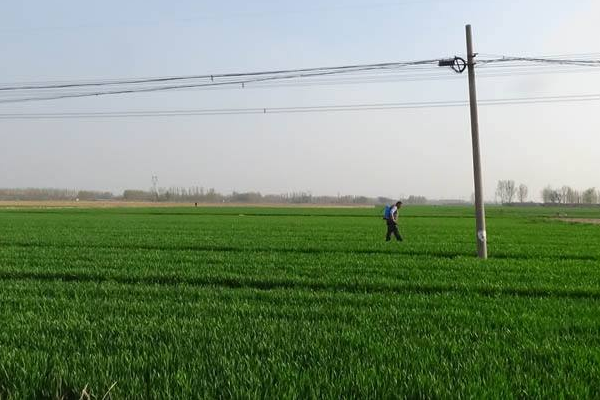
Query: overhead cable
<point>357,73</point>
<point>301,109</point>
<point>308,71</point>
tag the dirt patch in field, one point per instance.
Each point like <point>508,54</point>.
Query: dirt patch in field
<point>594,221</point>
<point>111,204</point>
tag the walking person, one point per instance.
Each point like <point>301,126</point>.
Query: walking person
<point>391,218</point>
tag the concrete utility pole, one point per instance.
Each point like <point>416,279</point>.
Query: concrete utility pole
<point>479,207</point>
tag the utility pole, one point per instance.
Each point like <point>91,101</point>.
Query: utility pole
<point>479,207</point>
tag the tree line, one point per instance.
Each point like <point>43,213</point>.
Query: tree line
<point>508,192</point>
<point>568,195</point>
<point>196,195</point>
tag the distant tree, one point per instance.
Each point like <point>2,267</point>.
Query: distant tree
<point>154,188</point>
<point>511,190</point>
<point>522,193</point>
<point>37,194</point>
<point>572,196</point>
<point>248,197</point>
<point>546,194</point>
<point>138,195</point>
<point>564,193</point>
<point>506,191</point>
<point>382,200</point>
<point>550,195</point>
<point>556,197</point>
<point>416,200</point>
<point>500,191</point>
<point>361,200</point>
<point>94,195</point>
<point>590,196</point>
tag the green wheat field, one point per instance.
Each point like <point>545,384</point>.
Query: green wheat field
<point>297,303</point>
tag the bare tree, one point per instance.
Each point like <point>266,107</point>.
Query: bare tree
<point>572,196</point>
<point>511,190</point>
<point>590,196</point>
<point>154,187</point>
<point>547,194</point>
<point>522,193</point>
<point>499,191</point>
<point>550,195</point>
<point>412,199</point>
<point>506,191</point>
<point>564,193</point>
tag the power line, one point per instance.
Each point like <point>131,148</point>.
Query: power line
<point>590,55</point>
<point>300,109</point>
<point>346,70</point>
<point>366,79</point>
<point>42,85</point>
<point>541,60</point>
<point>395,71</point>
<point>342,80</point>
<point>385,67</point>
<point>251,77</point>
<point>312,71</point>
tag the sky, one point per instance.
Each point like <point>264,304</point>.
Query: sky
<point>393,153</point>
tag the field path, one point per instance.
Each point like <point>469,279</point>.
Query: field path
<point>593,221</point>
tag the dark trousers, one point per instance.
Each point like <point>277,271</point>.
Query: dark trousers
<point>392,227</point>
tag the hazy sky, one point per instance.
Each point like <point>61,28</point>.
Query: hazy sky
<point>393,152</point>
